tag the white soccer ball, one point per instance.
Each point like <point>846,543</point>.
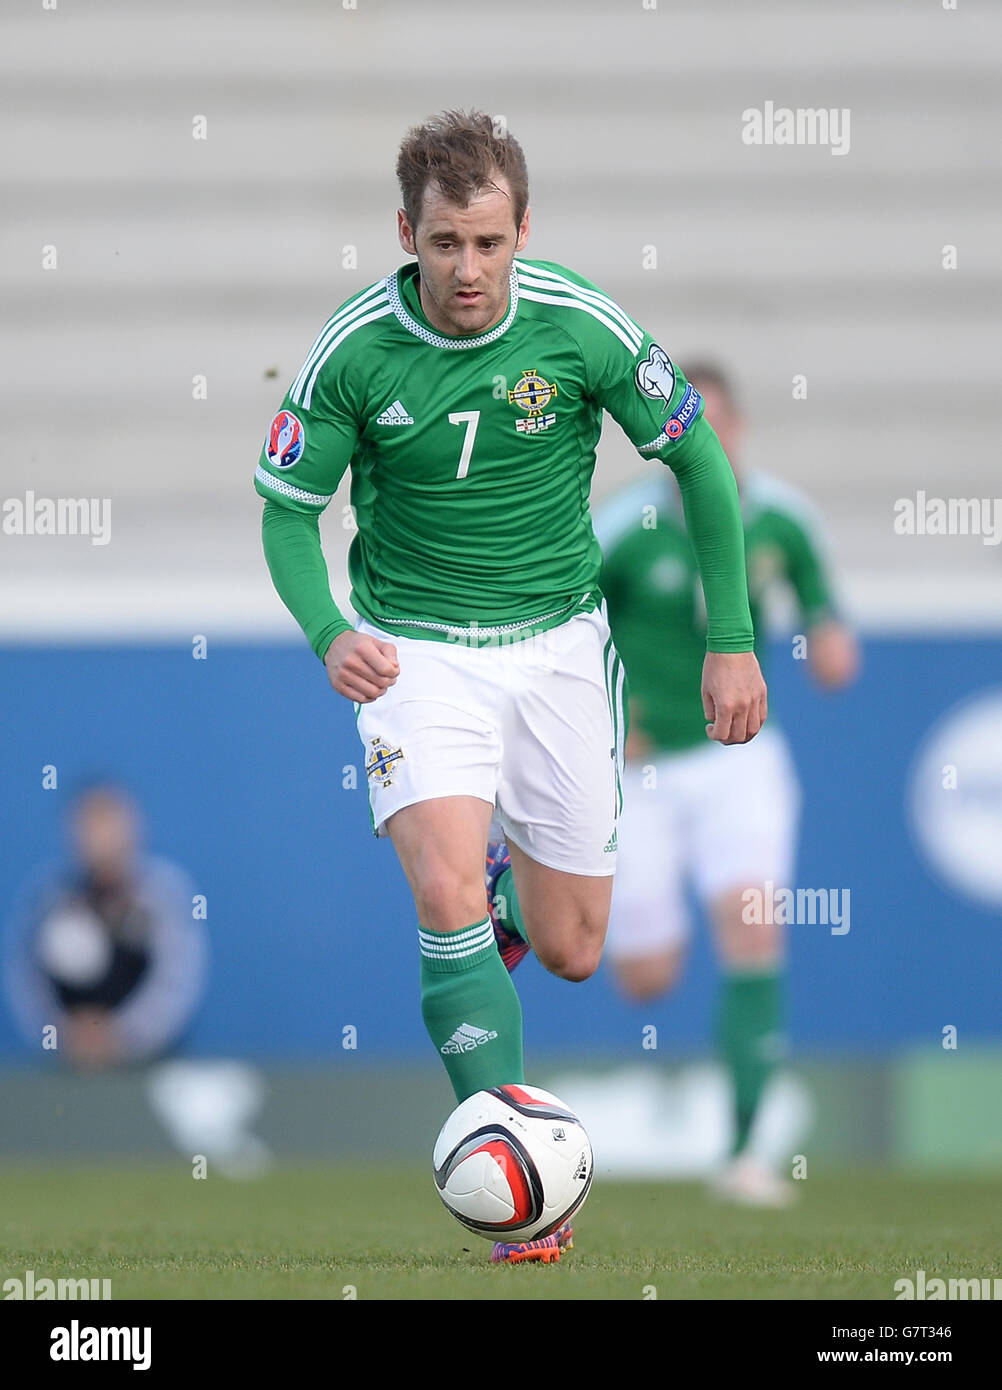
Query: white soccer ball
<point>513,1163</point>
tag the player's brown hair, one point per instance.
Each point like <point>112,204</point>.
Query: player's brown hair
<point>463,152</point>
<point>711,373</point>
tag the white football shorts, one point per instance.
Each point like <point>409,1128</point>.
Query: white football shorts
<point>714,819</point>
<point>532,726</point>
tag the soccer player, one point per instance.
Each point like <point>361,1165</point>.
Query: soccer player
<point>720,820</point>
<point>465,392</point>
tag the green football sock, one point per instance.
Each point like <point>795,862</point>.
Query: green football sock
<point>470,1008</point>
<point>749,1035</point>
<point>505,897</point>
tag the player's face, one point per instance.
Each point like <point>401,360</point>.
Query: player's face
<point>725,420</point>
<point>464,256</point>
<point>105,834</point>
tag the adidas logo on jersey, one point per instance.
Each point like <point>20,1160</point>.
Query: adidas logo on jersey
<point>465,1039</point>
<point>395,414</point>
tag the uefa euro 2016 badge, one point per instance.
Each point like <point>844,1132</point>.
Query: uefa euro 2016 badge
<point>285,440</point>
<point>382,761</point>
<point>533,394</point>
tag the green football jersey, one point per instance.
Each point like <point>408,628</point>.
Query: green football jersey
<point>471,459</point>
<point>656,607</point>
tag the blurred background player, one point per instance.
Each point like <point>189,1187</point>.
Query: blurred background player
<point>697,815</point>
<point>106,948</point>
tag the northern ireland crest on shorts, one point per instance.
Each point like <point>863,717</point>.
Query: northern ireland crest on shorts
<point>381,762</point>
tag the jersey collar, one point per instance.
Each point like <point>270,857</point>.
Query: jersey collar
<point>394,288</point>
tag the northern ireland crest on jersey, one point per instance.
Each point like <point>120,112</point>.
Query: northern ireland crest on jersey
<point>381,762</point>
<point>532,393</point>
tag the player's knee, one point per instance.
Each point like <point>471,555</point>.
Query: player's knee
<point>575,962</point>
<point>644,978</point>
<point>756,947</point>
<point>448,901</point>
<point>641,989</point>
<point>755,955</point>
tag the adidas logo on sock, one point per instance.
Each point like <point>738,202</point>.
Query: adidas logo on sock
<point>395,414</point>
<point>466,1038</point>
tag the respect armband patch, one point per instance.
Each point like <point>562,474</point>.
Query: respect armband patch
<point>678,421</point>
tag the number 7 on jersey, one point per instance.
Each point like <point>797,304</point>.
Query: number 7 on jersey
<point>469,418</point>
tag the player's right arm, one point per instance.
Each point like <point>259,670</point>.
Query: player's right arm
<point>309,446</point>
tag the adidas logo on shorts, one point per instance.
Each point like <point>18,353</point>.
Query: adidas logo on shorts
<point>466,1038</point>
<point>395,414</point>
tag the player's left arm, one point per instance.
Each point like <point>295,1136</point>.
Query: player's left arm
<point>662,415</point>
<point>832,649</point>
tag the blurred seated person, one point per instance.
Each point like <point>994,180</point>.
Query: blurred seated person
<point>105,947</point>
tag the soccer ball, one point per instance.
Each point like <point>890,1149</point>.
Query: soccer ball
<point>513,1163</point>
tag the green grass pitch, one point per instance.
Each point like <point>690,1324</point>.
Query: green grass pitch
<point>319,1232</point>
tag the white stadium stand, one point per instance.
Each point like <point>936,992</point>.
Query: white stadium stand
<point>181,257</point>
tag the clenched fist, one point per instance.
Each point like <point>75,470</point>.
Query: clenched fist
<point>361,667</point>
<point>734,696</point>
